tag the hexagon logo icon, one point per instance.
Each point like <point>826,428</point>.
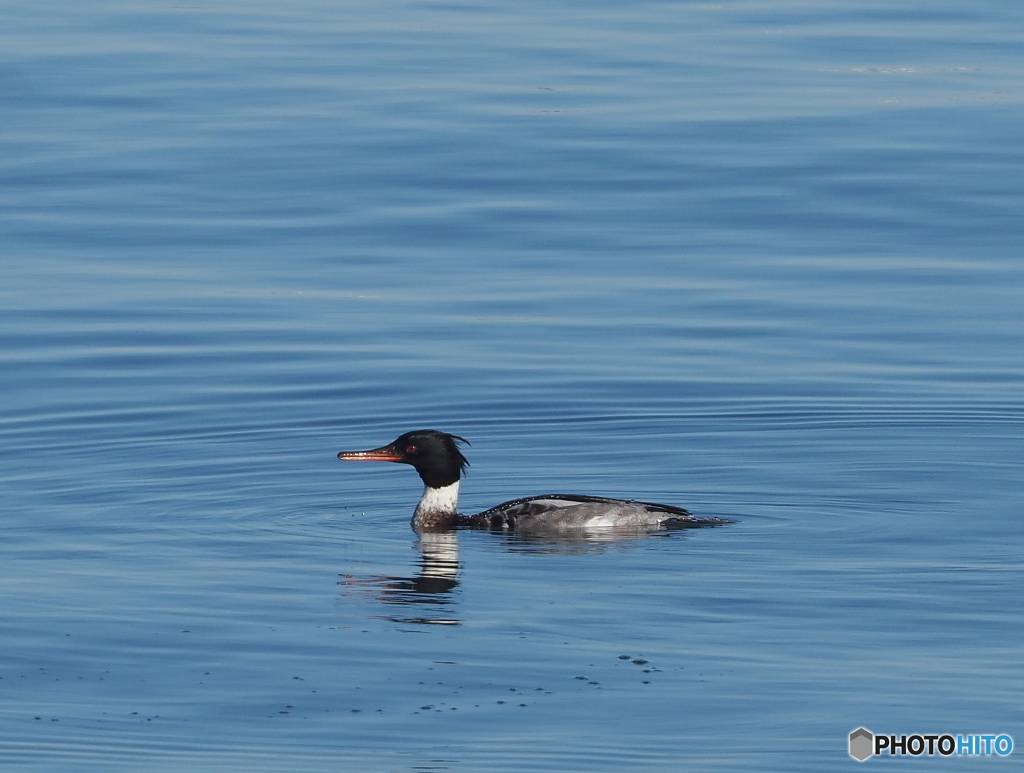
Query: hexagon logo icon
<point>862,744</point>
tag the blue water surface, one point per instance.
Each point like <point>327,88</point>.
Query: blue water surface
<point>759,259</point>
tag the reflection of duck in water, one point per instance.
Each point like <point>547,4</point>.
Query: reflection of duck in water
<point>432,587</point>
<point>440,464</point>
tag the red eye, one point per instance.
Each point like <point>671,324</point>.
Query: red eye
<point>411,449</point>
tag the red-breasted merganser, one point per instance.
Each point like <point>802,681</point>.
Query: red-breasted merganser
<point>440,464</point>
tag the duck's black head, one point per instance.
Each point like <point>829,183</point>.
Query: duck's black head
<point>435,455</point>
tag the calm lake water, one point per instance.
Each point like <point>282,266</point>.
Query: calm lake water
<point>762,260</point>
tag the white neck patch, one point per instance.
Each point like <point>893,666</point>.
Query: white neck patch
<point>439,500</point>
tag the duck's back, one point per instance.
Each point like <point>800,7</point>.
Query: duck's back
<point>574,512</point>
